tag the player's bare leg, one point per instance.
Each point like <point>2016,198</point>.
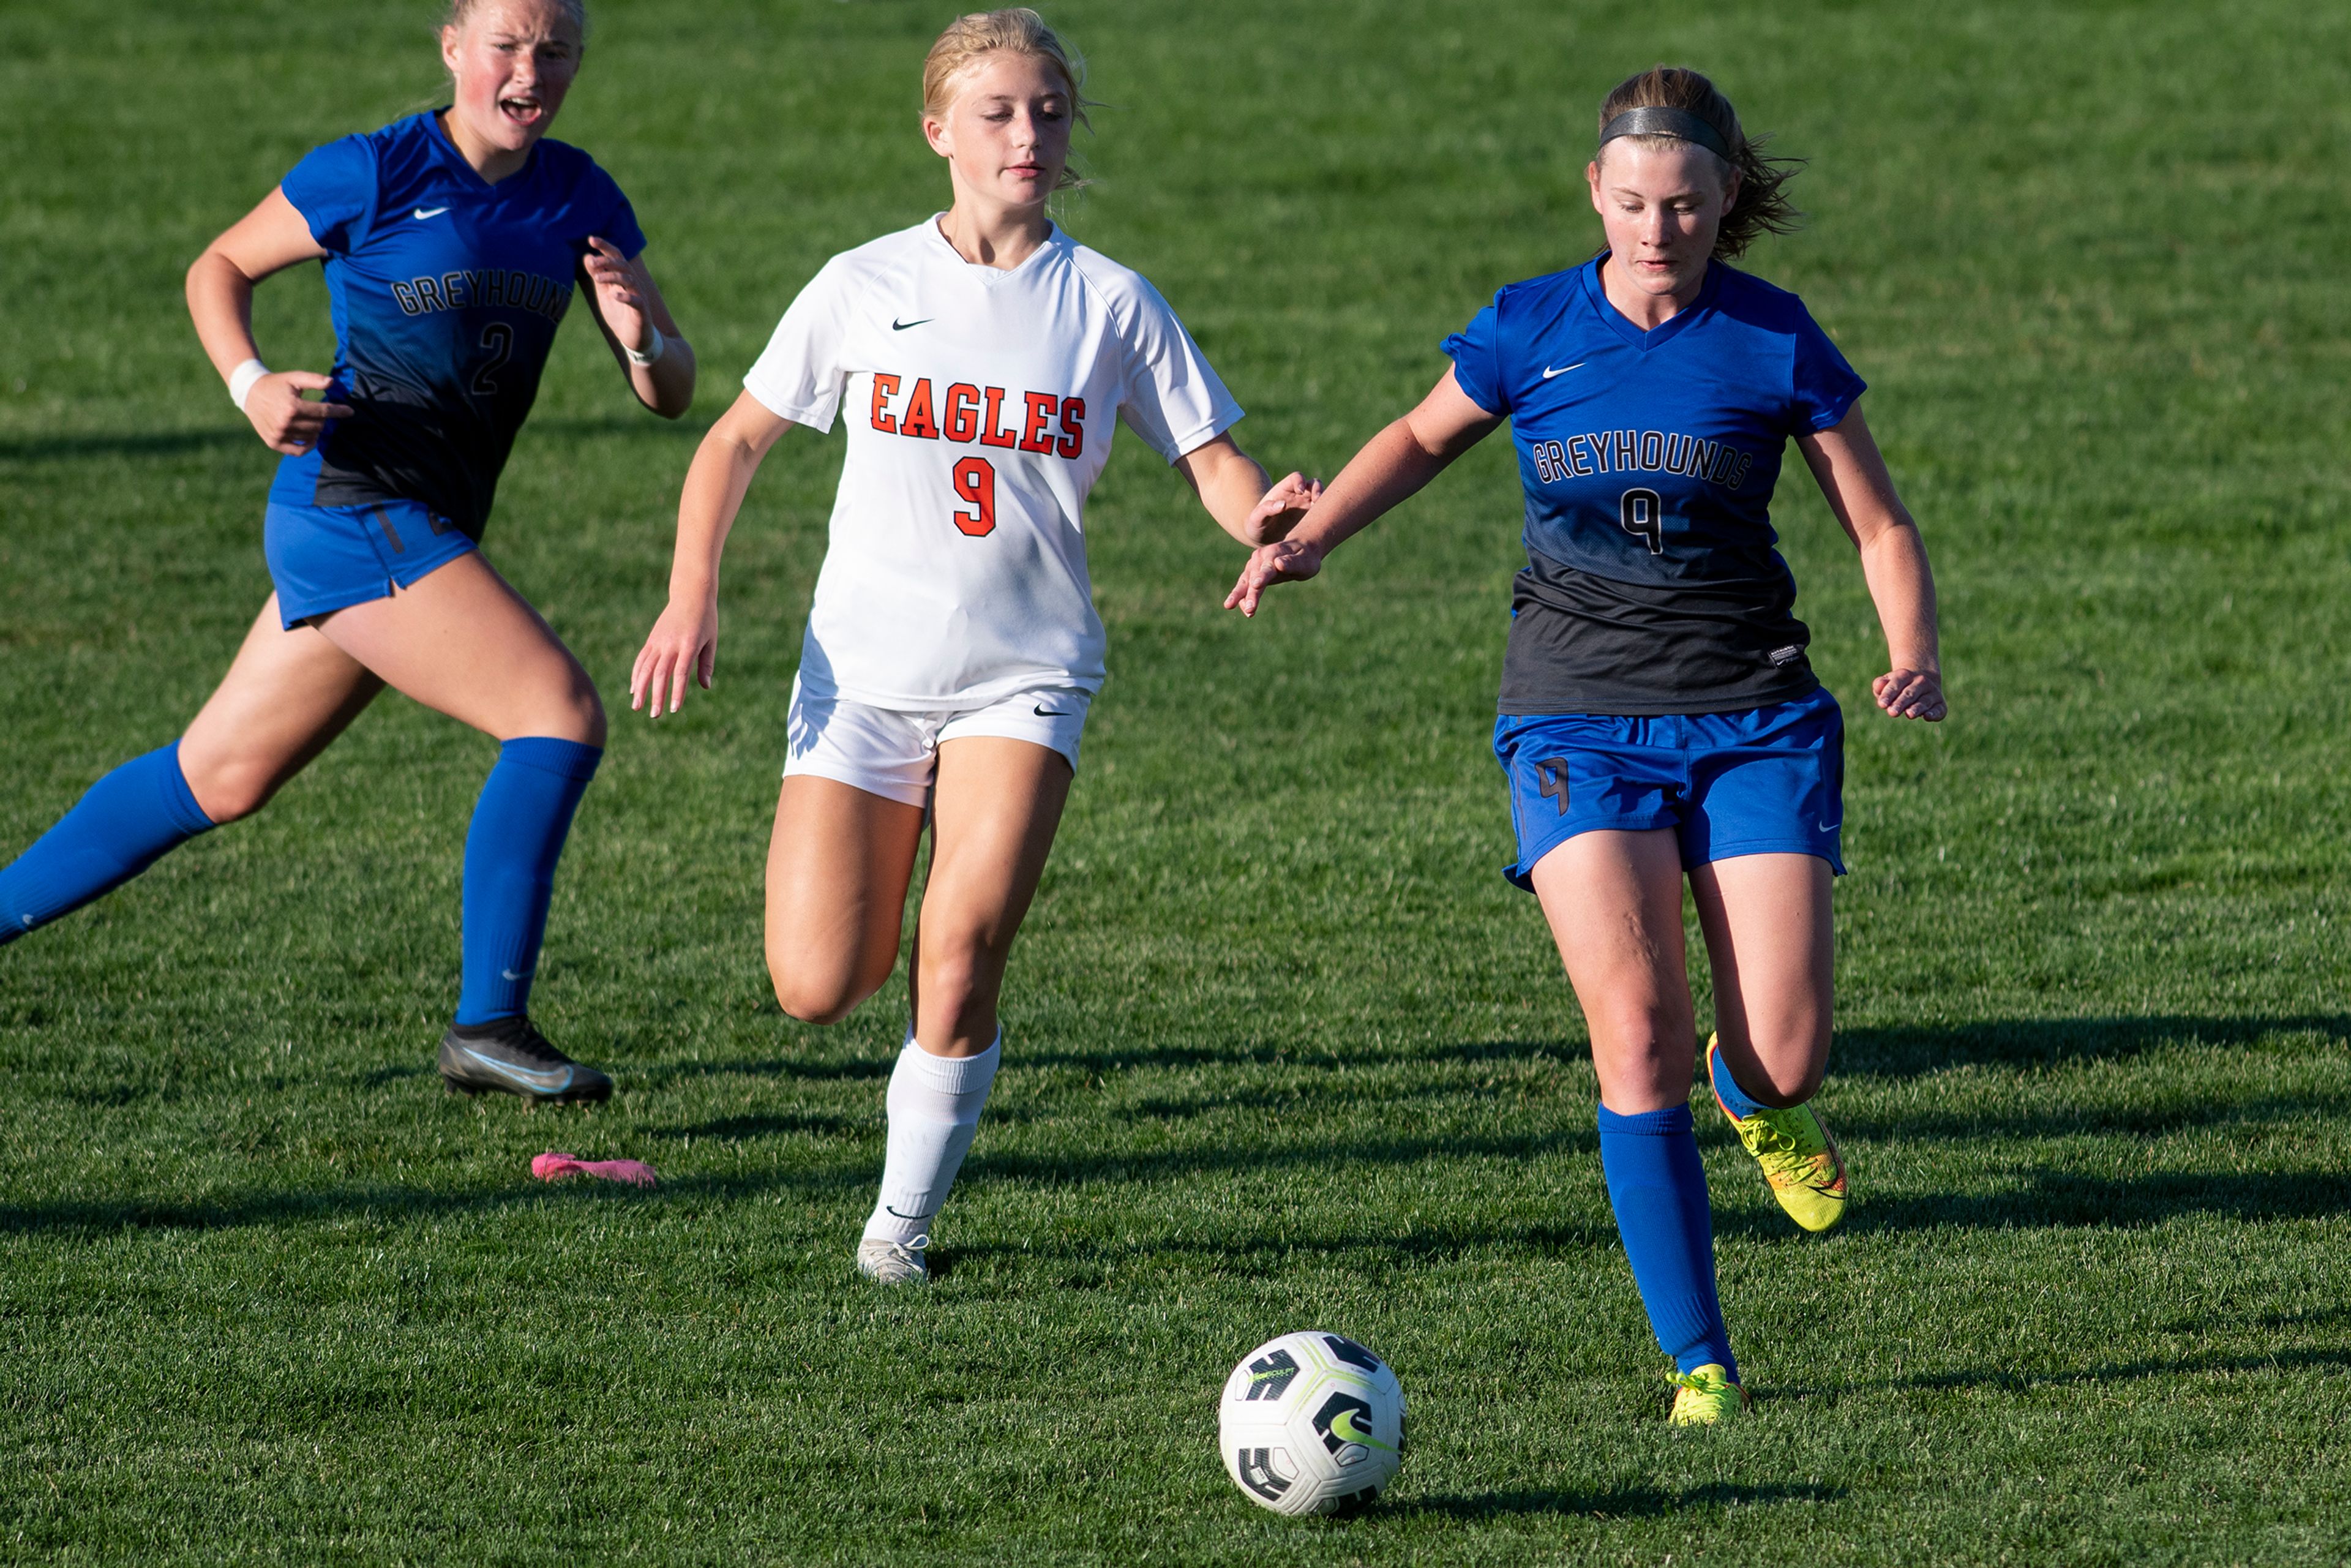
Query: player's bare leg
<point>996,806</point>
<point>838,869</point>
<point>1771,948</point>
<point>1766,919</point>
<point>1615,903</point>
<point>286,696</point>
<point>462,642</point>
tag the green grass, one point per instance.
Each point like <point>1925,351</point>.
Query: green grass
<point>1284,1050</point>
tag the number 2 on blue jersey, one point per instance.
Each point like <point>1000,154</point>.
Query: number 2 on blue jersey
<point>499,338</point>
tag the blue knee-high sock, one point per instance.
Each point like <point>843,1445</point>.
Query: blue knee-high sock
<point>123,824</point>
<point>1659,1190</point>
<point>519,826</point>
<point>1735,1100</point>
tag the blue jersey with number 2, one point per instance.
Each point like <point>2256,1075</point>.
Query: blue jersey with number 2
<point>445,291</point>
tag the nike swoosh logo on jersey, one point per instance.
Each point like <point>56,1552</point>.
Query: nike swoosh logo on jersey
<point>1549,372</point>
<point>551,1079</point>
<point>898,326</point>
<point>420,214</point>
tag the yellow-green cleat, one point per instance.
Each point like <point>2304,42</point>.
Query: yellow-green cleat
<point>1798,1157</point>
<point>1704,1395</point>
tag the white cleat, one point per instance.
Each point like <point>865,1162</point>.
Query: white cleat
<point>893,1262</point>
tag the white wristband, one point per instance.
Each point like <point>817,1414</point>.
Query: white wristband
<point>241,380</point>
<point>648,356</point>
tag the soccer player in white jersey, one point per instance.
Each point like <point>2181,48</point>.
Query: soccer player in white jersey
<point>982,359</point>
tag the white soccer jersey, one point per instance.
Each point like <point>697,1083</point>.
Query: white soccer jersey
<point>980,408</point>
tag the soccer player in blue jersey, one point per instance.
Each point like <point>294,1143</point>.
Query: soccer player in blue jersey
<point>1658,718</point>
<point>453,241</point>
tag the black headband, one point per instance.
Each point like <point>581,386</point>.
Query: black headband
<point>1677,122</point>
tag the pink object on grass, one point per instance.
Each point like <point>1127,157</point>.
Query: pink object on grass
<point>550,1165</point>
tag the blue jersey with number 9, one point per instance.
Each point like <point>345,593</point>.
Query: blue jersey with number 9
<point>1648,460</point>
<point>445,292</point>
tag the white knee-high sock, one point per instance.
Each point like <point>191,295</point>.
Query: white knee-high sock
<point>935,1103</point>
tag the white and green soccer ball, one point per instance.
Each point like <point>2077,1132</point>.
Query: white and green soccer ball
<point>1312,1423</point>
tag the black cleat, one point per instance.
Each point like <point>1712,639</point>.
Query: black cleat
<point>509,1057</point>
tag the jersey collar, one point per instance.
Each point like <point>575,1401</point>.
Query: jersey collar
<point>992,277</point>
<point>465,172</point>
<point>1597,293</point>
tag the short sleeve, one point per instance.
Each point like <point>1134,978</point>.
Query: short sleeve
<point>1825,385</point>
<point>616,220</point>
<point>800,376</point>
<point>1476,369</point>
<point>334,190</point>
<point>1172,399</point>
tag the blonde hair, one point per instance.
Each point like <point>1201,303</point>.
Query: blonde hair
<point>1761,206</point>
<point>1016,29</point>
<point>574,11</point>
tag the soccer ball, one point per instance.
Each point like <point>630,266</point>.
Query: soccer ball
<point>1312,1423</point>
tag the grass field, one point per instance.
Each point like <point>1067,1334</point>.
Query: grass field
<point>1283,1050</point>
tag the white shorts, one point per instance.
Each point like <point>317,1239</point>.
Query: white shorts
<point>895,754</point>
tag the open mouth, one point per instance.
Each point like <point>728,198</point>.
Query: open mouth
<point>525,110</point>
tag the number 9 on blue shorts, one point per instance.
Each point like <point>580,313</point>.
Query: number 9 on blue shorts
<point>1765,780</point>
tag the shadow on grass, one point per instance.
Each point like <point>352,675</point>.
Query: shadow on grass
<point>405,1202</point>
<point>1259,1052</point>
<point>658,1075</point>
<point>2038,1198</point>
<point>779,1124</point>
<point>1915,1052</point>
<point>65,448</point>
<point>393,1205</point>
<point>2057,1200</point>
<point>2283,1362</point>
<point>1164,1165</point>
<point>1085,1263</point>
<point>1625,1503</point>
<point>123,444</point>
<point>1956,1123</point>
<point>1899,1053</point>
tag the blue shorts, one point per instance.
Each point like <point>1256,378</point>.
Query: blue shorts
<point>1768,780</point>
<point>331,558</point>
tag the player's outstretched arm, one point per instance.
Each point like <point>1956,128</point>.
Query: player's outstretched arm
<point>638,330</point>
<point>1237,493</point>
<point>686,639</point>
<point>1390,469</point>
<point>1852,473</point>
<point>270,238</point>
